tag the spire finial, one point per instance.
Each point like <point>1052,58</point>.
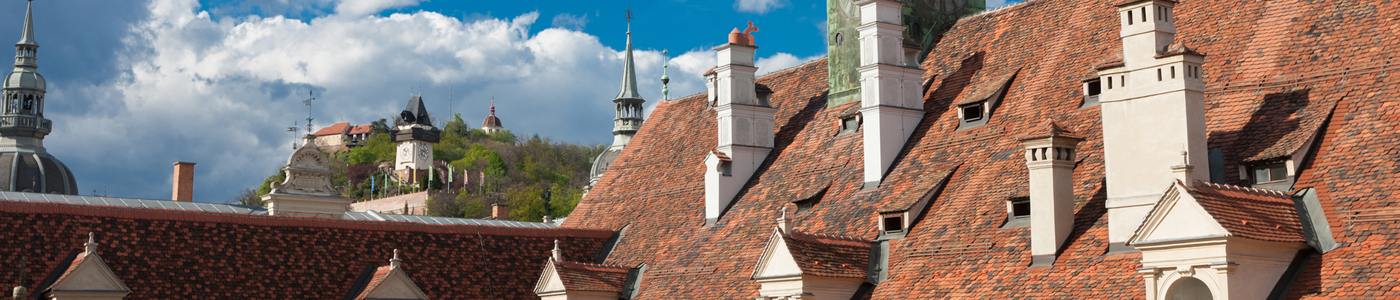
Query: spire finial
<point>784,224</point>
<point>665,79</point>
<point>91,246</point>
<point>1184,159</point>
<point>557,254</point>
<point>394,262</point>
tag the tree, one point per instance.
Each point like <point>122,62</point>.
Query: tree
<point>248,196</point>
<point>378,127</point>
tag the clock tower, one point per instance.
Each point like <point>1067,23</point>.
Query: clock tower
<point>924,20</point>
<point>414,132</point>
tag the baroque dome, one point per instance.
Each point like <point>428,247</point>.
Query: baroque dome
<point>35,172</point>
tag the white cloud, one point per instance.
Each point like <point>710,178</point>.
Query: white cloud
<point>759,6</point>
<point>780,61</point>
<point>222,91</point>
<point>355,8</point>
<point>570,21</point>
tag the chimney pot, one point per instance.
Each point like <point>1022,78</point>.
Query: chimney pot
<point>183,187</point>
<point>500,211</point>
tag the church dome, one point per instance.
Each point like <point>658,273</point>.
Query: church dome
<point>25,80</point>
<point>491,120</point>
<point>36,173</point>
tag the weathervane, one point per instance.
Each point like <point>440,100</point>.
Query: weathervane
<point>629,17</point>
<point>293,130</point>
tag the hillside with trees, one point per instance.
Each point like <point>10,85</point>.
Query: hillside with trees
<point>518,171</point>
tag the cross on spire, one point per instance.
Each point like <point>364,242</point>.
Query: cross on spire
<point>312,95</point>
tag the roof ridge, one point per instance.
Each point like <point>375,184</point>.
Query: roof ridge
<point>828,236</point>
<point>584,264</point>
<point>1243,189</point>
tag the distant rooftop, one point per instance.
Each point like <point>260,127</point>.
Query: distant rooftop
<point>250,210</point>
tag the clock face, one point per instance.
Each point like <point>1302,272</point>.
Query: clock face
<point>405,153</point>
<point>423,153</point>
<point>848,9</point>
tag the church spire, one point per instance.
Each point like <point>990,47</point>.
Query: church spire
<point>28,37</point>
<point>628,115</point>
<point>629,73</point>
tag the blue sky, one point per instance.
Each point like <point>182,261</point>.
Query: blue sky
<point>138,84</point>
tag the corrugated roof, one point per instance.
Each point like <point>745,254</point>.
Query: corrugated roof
<point>251,210</point>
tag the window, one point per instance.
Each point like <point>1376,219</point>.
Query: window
<point>973,112</point>
<point>1270,173</point>
<point>893,223</point>
<point>1130,17</point>
<point>1122,82</point>
<point>726,168</point>
<point>1144,14</point>
<point>1110,82</point>
<point>838,40</point>
<point>849,124</point>
<point>1018,213</point>
<point>1159,74</point>
<point>1092,89</point>
<point>1173,69</point>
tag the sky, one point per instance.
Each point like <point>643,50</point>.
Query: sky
<point>135,85</point>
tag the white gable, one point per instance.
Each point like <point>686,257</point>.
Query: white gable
<point>776,259</point>
<point>396,285</point>
<point>549,280</point>
<point>91,274</point>
<point>1178,216</point>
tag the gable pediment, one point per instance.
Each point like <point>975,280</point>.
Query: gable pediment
<point>89,274</point>
<point>1177,216</point>
<point>396,285</point>
<point>776,260</point>
<point>549,279</point>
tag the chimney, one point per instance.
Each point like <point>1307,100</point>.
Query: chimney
<point>1050,159</point>
<point>1153,107</point>
<point>745,125</point>
<point>891,87</point>
<point>183,188</point>
<point>500,211</point>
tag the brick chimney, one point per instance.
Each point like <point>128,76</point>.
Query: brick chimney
<point>891,87</point>
<point>183,186</point>
<point>1050,159</point>
<point>500,211</point>
<point>745,124</point>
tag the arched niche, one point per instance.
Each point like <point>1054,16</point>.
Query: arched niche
<point>1188,288</point>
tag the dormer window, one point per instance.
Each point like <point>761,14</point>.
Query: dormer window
<point>1018,212</point>
<point>726,168</point>
<point>973,112</point>
<point>1270,173</point>
<point>763,94</point>
<point>849,124</point>
<point>891,223</point>
<point>1092,89</point>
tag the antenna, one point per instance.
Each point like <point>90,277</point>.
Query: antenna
<point>449,103</point>
<point>312,95</point>
<point>629,16</point>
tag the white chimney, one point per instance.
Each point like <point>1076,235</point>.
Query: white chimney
<point>891,87</point>
<point>745,126</point>
<point>1153,108</point>
<point>1050,156</point>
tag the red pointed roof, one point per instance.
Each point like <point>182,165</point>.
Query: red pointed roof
<point>361,129</point>
<point>337,128</point>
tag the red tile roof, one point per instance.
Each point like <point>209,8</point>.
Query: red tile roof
<point>829,256</point>
<point>1049,128</point>
<point>380,274</point>
<point>361,129</point>
<point>337,128</point>
<point>166,254</point>
<point>591,277</point>
<point>1264,215</point>
<point>1274,72</point>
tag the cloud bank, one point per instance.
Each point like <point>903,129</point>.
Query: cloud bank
<point>221,92</point>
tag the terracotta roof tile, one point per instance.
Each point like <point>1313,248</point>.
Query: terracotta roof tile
<point>380,274</point>
<point>829,256</point>
<point>1049,128</point>
<point>337,128</point>
<point>591,277</point>
<point>360,129</point>
<point>1251,213</point>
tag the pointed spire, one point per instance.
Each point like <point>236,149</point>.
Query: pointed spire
<point>27,38</point>
<point>91,246</point>
<point>629,73</point>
